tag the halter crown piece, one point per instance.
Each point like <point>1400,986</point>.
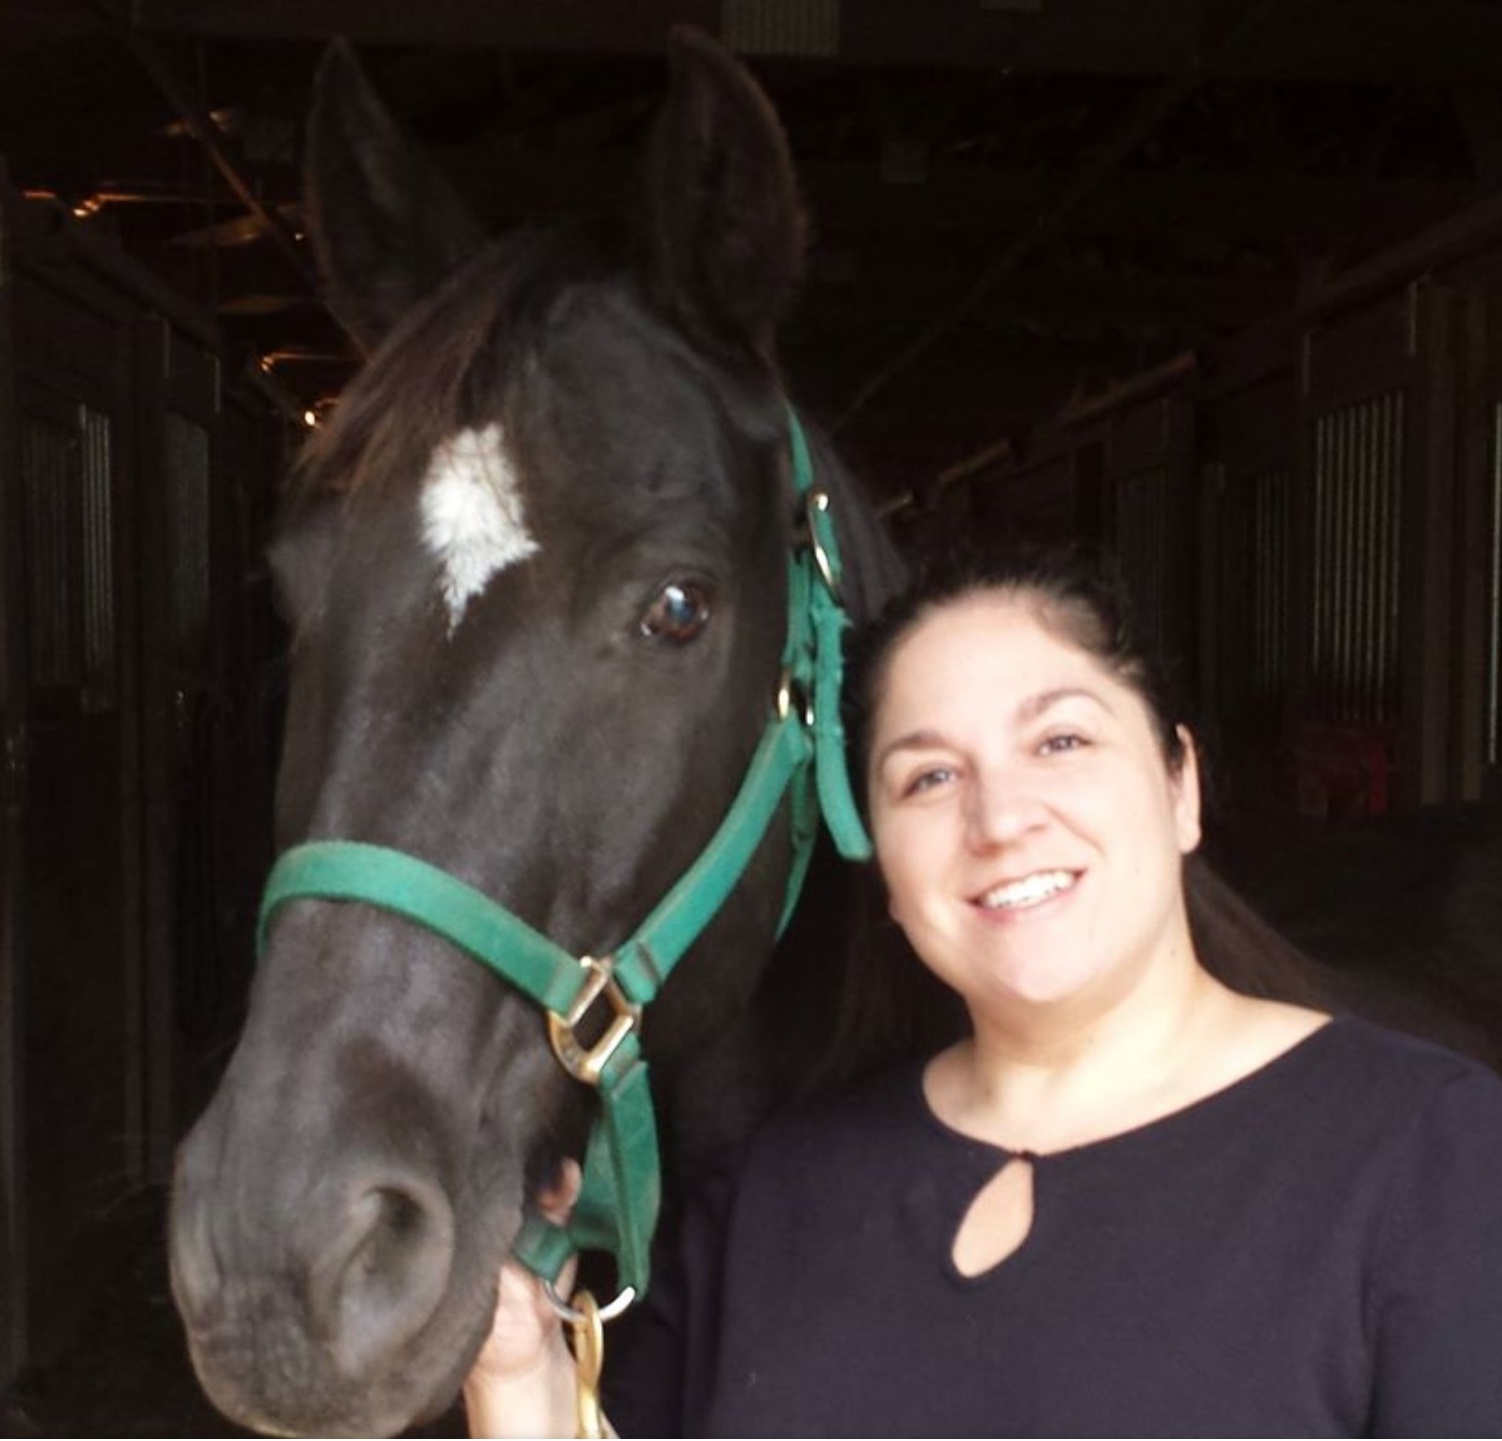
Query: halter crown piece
<point>801,756</point>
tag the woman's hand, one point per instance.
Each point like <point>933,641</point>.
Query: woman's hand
<point>523,1381</point>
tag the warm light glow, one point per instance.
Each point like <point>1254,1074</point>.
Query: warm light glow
<point>310,418</point>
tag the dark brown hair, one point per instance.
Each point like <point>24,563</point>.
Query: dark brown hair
<point>1079,596</point>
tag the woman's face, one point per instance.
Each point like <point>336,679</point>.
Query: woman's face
<point>1025,820</point>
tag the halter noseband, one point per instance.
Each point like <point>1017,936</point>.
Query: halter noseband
<point>801,756</point>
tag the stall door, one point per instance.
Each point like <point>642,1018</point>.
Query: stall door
<point>1150,522</point>
<point>1246,441</point>
<point>77,909</point>
<point>1478,738</point>
<point>184,707</point>
<point>212,456</point>
<point>1374,526</point>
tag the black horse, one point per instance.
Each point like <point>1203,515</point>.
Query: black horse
<point>536,568</point>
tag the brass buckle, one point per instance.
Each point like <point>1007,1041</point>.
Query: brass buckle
<point>818,500</point>
<point>585,1063</point>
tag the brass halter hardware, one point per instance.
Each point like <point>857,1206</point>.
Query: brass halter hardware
<point>817,503</point>
<point>588,1336</point>
<point>586,1063</point>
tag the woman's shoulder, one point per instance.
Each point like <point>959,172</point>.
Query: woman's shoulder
<point>1368,1050</point>
<point>1324,1091</point>
<point>1397,1083</point>
<point>1254,1035</point>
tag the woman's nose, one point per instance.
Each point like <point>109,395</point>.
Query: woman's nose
<point>1001,809</point>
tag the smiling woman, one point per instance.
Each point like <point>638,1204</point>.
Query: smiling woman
<point>1032,829</point>
<point>1033,799</point>
<point>1141,1196</point>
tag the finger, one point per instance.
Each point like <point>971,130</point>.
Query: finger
<point>556,1201</point>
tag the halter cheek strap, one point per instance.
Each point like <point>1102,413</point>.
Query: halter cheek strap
<point>800,758</point>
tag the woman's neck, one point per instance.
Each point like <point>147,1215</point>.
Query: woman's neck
<point>1043,1078</point>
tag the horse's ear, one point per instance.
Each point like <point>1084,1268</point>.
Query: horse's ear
<point>722,223</point>
<point>387,226</point>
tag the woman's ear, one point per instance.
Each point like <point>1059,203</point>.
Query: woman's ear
<point>1186,794</point>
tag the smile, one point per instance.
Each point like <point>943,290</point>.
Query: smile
<point>1029,891</point>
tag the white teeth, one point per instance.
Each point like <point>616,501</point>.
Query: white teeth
<point>1028,891</point>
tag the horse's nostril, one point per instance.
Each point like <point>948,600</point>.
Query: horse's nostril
<point>383,1276</point>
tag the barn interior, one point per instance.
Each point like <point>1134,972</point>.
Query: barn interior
<point>1217,282</point>
<point>1015,203</point>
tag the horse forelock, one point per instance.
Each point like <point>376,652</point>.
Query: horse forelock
<point>443,369</point>
<point>427,415</point>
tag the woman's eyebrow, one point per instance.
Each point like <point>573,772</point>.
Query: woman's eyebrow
<point>1035,705</point>
<point>919,740</point>
<point>925,738</point>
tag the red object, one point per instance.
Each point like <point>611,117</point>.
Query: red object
<point>1344,770</point>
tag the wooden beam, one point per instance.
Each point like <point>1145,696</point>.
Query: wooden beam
<point>1146,117</point>
<point>1452,240</point>
<point>1049,295</point>
<point>1143,386</point>
<point>1379,41</point>
<point>206,133</point>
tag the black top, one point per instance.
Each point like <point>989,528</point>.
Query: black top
<point>1314,1251</point>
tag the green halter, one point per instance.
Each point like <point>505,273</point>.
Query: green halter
<point>801,756</point>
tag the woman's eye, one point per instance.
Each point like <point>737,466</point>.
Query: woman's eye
<point>679,613</point>
<point>1066,741</point>
<point>927,780</point>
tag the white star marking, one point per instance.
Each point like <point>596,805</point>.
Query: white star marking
<point>472,517</point>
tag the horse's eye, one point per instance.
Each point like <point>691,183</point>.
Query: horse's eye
<point>679,613</point>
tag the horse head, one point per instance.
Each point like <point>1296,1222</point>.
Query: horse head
<point>536,573</point>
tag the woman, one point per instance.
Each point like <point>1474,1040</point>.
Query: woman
<point>1133,1200</point>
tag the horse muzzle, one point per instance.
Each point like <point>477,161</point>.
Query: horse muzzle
<point>342,1309</point>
